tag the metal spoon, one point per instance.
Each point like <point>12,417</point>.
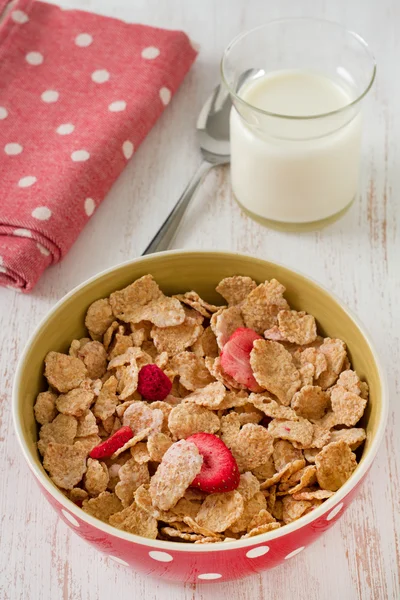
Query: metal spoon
<point>213,136</point>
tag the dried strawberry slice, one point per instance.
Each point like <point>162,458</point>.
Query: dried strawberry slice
<point>235,357</point>
<point>116,441</point>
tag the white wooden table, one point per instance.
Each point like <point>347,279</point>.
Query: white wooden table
<point>358,258</point>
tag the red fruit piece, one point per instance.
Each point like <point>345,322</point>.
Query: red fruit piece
<point>235,357</point>
<point>116,441</point>
<point>153,383</point>
<point>219,472</point>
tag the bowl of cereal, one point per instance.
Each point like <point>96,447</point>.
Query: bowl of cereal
<point>200,416</point>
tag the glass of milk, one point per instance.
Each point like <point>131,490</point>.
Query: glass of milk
<point>297,87</point>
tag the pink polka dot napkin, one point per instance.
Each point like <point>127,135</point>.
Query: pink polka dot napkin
<point>78,94</point>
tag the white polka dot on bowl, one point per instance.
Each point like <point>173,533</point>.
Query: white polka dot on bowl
<point>70,518</point>
<point>3,113</point>
<point>22,233</point>
<point>18,16</point>
<point>80,155</point>
<point>65,129</point>
<point>83,40</point>
<point>297,551</point>
<point>34,58</point>
<point>335,511</point>
<point>117,106</point>
<point>27,181</point>
<point>50,96</point>
<point>256,552</point>
<point>165,95</point>
<point>150,52</point>
<point>42,213</point>
<point>89,205</point>
<point>160,556</point>
<point>42,249</point>
<point>210,576</point>
<point>100,76</point>
<point>127,149</point>
<point>119,560</point>
<point>13,149</point>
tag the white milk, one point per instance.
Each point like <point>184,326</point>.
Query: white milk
<point>289,170</point>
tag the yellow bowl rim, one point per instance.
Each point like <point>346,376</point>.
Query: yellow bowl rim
<point>162,545</point>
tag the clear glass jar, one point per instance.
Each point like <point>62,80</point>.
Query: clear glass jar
<point>295,129</point>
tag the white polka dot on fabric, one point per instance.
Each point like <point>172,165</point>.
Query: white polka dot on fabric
<point>42,213</point>
<point>3,113</point>
<point>42,249</point>
<point>119,560</point>
<point>117,106</point>
<point>18,16</point>
<point>13,149</point>
<point>100,76</point>
<point>127,149</point>
<point>256,552</point>
<point>70,518</point>
<point>22,233</point>
<point>83,40</point>
<point>65,129</point>
<point>34,58</point>
<point>165,95</point>
<point>150,52</point>
<point>89,205</point>
<point>160,556</point>
<point>80,155</point>
<point>210,576</point>
<point>335,511</point>
<point>297,551</point>
<point>50,96</point>
<point>27,181</point>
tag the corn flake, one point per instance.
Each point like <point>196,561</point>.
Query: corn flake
<point>220,511</point>
<point>187,418</point>
<point>235,289</point>
<point>225,322</point>
<point>75,403</point>
<point>354,437</point>
<point>98,318</point>
<point>139,416</point>
<point>206,344</point>
<point>62,430</point>
<point>64,372</point>
<point>144,301</point>
<point>335,463</point>
<point>252,507</point>
<point>347,406</point>
<point>261,306</point>
<point>297,327</point>
<point>311,402</point>
<point>176,339</point>
<point>102,507</point>
<point>300,432</point>
<point>45,407</point>
<point>131,476</point>
<point>135,520</point>
<point>96,477</point>
<point>179,466</point>
<point>157,445</point>
<point>65,463</point>
<point>192,370</point>
<point>274,369</point>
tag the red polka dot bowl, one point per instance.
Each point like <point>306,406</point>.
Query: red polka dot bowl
<point>179,271</point>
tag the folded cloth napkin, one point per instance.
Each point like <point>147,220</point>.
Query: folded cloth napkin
<point>78,94</point>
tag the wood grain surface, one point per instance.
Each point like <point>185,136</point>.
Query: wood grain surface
<point>358,258</point>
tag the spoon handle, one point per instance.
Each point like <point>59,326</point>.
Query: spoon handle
<point>168,229</point>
